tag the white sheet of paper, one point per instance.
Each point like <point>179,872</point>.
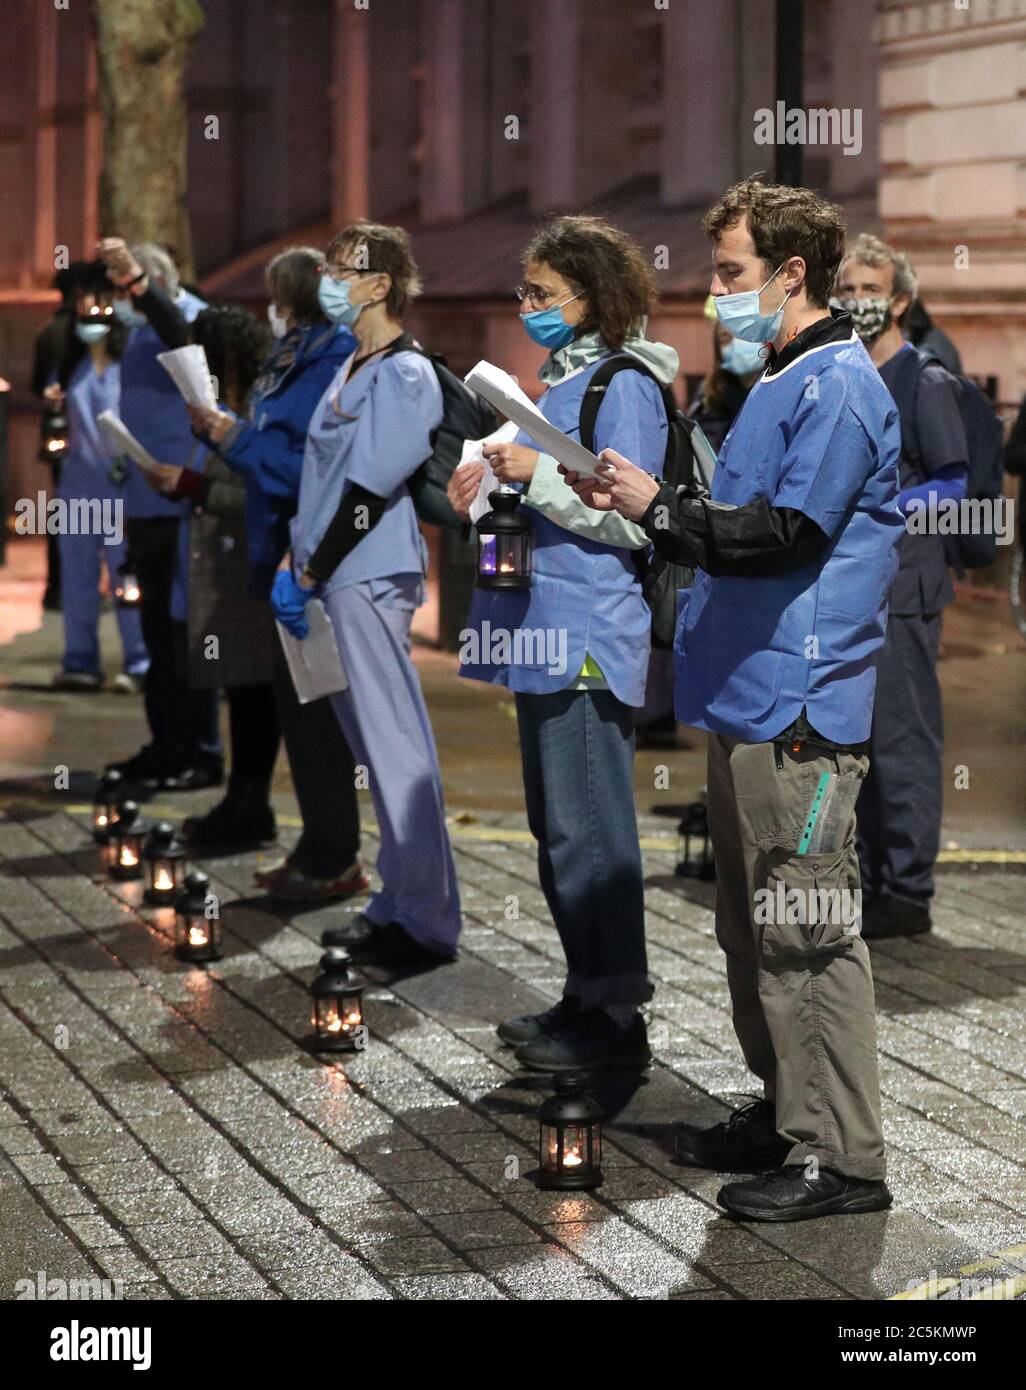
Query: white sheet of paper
<point>188,369</point>
<point>501,391</point>
<point>473,453</point>
<point>121,440</point>
<point>313,661</point>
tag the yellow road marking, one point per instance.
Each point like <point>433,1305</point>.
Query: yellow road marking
<point>665,844</point>
<point>1007,1288</point>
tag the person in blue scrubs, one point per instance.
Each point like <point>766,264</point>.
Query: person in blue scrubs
<point>88,383</point>
<point>776,642</point>
<point>185,748</point>
<point>356,543</point>
<point>586,295</point>
<point>902,797</point>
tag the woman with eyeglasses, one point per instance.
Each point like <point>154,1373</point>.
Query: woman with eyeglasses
<point>88,382</point>
<point>356,544</point>
<point>586,296</point>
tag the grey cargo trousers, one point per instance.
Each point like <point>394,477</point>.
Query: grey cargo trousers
<point>801,990</point>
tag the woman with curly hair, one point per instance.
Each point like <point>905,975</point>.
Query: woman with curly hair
<point>586,296</point>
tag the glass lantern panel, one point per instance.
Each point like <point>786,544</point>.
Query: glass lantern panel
<point>165,875</point>
<point>329,1017</point>
<point>486,555</point>
<point>194,932</point>
<point>581,1148</point>
<point>513,554</point>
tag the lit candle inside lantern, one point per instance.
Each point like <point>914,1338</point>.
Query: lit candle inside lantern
<point>163,880</point>
<point>572,1158</point>
<point>197,936</point>
<point>129,858</point>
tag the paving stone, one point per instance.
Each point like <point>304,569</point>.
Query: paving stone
<point>425,1255</point>
<point>480,1229</point>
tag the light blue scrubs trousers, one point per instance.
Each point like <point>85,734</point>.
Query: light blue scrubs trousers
<point>81,558</point>
<point>386,724</point>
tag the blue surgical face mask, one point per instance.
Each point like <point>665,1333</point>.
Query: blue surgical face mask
<point>130,317</point>
<point>91,332</point>
<point>741,316</point>
<point>741,358</point>
<point>548,328</point>
<point>333,296</point>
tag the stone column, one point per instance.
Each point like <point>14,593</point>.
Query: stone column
<point>953,164</point>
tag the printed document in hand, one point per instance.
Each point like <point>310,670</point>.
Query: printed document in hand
<point>187,367</point>
<point>472,453</point>
<point>120,440</point>
<point>313,661</point>
<point>501,391</point>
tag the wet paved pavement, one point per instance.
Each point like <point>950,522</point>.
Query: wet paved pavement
<point>167,1126</point>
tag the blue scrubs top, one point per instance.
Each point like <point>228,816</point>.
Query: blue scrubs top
<point>822,437</point>
<point>85,469</point>
<point>153,409</point>
<point>375,430</point>
<point>585,593</point>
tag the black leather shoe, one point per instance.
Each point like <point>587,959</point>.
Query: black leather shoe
<point>787,1194</point>
<point>353,932</point>
<point>145,768</point>
<point>231,824</point>
<point>591,1041</point>
<point>527,1027</point>
<point>372,944</point>
<point>744,1142</point>
<point>886,916</point>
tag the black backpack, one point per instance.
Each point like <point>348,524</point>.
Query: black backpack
<point>464,416</point>
<point>985,438</point>
<point>660,579</point>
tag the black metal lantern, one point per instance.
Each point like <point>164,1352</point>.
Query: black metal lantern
<point>106,803</point>
<point>165,865</point>
<point>337,1005</point>
<point>505,541</point>
<point>128,837</point>
<point>127,593</point>
<point>696,857</point>
<point>570,1138</point>
<point>197,924</point>
<point>53,442</point>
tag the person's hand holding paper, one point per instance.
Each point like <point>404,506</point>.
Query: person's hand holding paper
<point>187,367</point>
<point>502,392</point>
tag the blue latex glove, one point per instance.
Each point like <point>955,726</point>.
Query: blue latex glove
<point>289,600</point>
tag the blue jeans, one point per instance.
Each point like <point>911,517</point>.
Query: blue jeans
<point>577,749</point>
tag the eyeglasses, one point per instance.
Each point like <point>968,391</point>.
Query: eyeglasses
<point>535,295</point>
<point>339,272</point>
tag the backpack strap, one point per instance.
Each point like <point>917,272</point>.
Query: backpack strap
<point>595,392</point>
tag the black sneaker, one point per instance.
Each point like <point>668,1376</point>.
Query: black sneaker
<point>742,1143</point>
<point>527,1027</point>
<point>195,776</point>
<point>232,824</point>
<point>886,916</point>
<point>788,1194</point>
<point>589,1041</point>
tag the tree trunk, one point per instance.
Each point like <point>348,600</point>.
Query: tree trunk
<point>142,46</point>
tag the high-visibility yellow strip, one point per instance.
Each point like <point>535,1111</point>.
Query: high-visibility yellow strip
<point>1012,1286</point>
<point>666,844</point>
